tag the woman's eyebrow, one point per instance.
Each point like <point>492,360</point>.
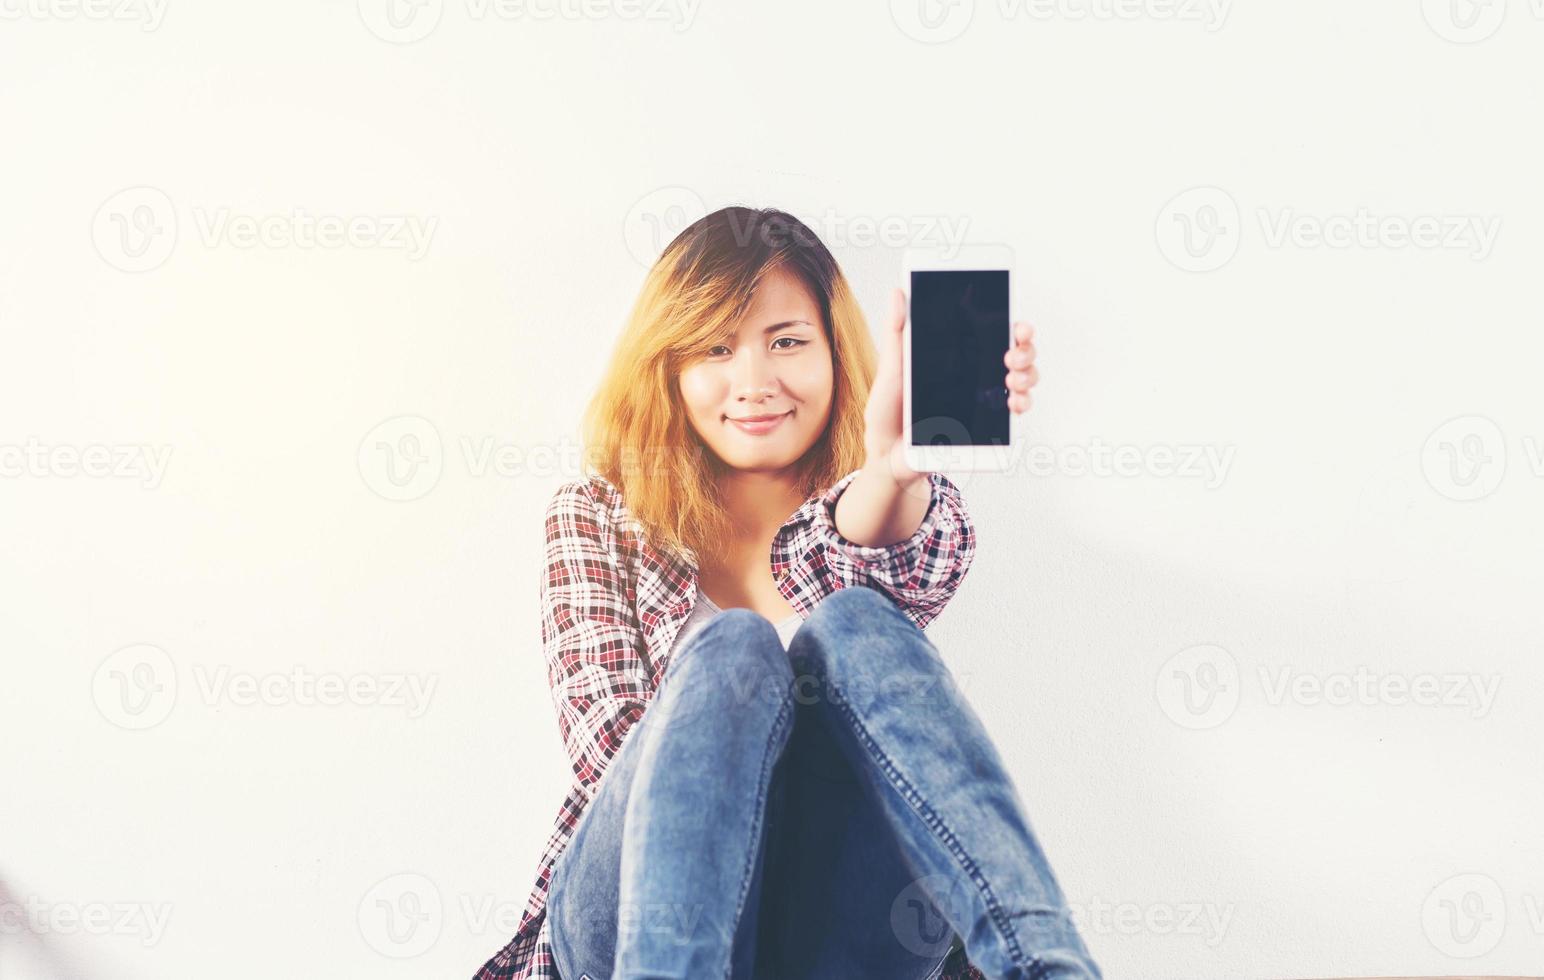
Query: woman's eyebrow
<point>776,327</point>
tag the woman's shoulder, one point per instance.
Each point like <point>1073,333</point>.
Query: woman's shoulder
<point>591,503</point>
<point>593,491</point>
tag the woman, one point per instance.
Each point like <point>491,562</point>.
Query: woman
<point>835,810</point>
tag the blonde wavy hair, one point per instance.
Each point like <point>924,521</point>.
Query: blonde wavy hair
<point>636,432</point>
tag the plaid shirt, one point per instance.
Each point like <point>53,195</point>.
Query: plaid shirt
<point>611,608</point>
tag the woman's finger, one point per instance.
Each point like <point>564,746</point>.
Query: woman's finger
<point>1023,380</point>
<point>1019,358</point>
<point>1023,332</point>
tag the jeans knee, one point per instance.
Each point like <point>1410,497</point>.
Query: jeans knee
<point>737,645</point>
<point>859,635</point>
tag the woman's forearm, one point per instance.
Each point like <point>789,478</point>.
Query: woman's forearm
<point>880,507</point>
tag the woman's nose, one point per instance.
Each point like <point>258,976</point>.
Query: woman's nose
<point>753,380</point>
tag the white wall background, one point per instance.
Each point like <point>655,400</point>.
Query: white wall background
<point>1161,656</point>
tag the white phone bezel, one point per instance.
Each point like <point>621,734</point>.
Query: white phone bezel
<point>959,457</point>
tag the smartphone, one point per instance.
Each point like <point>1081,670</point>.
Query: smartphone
<point>955,412</point>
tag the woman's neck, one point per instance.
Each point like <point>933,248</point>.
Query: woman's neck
<point>759,502</point>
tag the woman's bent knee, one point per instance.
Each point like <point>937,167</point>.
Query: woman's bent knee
<point>859,634</point>
<point>737,650</point>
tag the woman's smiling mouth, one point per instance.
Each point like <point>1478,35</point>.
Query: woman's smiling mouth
<point>758,425</point>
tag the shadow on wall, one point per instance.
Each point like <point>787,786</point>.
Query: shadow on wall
<point>41,949</point>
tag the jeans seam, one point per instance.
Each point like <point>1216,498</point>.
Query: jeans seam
<point>950,841</point>
<point>759,817</point>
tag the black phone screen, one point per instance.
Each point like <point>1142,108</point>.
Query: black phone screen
<point>959,334</point>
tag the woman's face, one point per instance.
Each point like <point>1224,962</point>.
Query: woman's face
<point>760,399</point>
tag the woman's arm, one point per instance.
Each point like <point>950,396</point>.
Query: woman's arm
<point>888,526</point>
<point>882,506</point>
<point>590,635</point>
<point>919,572</point>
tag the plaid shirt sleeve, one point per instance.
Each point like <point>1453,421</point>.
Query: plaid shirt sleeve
<point>590,635</point>
<point>920,573</point>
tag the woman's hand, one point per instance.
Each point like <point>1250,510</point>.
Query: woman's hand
<point>882,415</point>
<point>1022,373</point>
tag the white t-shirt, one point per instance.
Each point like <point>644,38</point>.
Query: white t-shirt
<point>705,609</point>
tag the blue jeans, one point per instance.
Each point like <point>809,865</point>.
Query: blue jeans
<point>828,812</point>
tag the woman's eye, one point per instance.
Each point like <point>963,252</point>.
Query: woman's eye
<point>794,343</point>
